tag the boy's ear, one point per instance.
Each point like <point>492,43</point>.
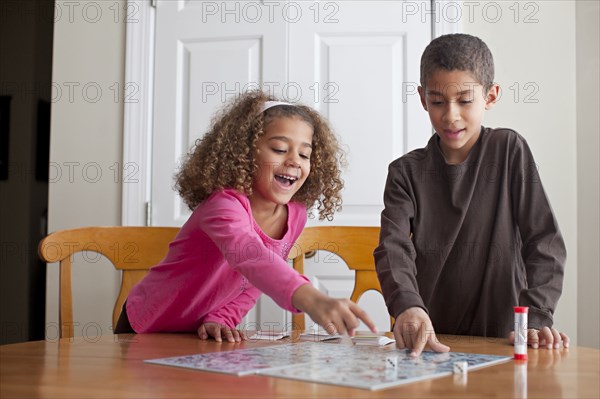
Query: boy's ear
<point>422,95</point>
<point>492,96</point>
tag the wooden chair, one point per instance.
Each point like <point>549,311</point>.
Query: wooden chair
<point>130,249</point>
<point>355,245</point>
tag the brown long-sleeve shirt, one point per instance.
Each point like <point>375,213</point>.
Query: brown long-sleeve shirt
<point>484,238</point>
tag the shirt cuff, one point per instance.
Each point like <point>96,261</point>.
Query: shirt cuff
<point>302,280</point>
<point>403,300</point>
<point>538,319</point>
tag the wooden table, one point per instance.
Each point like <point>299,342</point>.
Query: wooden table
<point>112,366</point>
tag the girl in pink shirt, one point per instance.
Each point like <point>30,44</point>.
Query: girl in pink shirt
<point>249,181</point>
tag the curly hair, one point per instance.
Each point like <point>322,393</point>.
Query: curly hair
<point>225,156</point>
<point>460,52</point>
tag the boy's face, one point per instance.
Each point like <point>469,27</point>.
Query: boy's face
<point>456,102</point>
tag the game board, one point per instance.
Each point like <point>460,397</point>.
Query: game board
<point>347,365</point>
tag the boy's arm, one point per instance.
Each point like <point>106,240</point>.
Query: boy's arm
<point>543,248</point>
<point>395,256</point>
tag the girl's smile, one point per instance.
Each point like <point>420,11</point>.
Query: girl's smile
<point>285,180</point>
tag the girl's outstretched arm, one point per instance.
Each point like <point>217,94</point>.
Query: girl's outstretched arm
<point>334,315</point>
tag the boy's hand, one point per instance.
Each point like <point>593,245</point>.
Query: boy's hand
<point>413,329</point>
<point>217,331</point>
<point>544,338</point>
<point>336,316</point>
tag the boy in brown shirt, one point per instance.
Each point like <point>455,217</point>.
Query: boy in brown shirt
<point>467,231</point>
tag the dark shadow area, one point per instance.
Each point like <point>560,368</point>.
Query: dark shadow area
<point>26,32</point>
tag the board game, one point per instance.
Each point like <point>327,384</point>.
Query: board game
<point>346,365</point>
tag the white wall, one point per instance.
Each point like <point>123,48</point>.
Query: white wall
<point>540,53</point>
<point>588,129</point>
<point>86,139</point>
<point>534,54</point>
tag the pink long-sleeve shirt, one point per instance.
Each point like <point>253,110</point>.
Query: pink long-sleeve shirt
<point>216,268</point>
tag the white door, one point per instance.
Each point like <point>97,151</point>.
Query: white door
<point>354,61</point>
<point>205,53</point>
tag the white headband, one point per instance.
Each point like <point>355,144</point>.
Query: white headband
<point>270,104</point>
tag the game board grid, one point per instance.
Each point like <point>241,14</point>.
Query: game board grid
<point>327,363</point>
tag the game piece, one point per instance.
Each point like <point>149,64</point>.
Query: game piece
<point>391,362</point>
<point>521,332</point>
<point>461,367</point>
<point>316,335</point>
<point>375,340</point>
<point>269,335</point>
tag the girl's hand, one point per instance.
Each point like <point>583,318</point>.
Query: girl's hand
<point>217,331</point>
<point>413,329</point>
<point>336,316</point>
<point>544,338</point>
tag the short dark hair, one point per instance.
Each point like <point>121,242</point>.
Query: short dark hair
<point>462,52</point>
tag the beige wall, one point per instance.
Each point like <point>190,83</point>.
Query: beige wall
<point>86,139</point>
<point>541,54</point>
<point>588,167</point>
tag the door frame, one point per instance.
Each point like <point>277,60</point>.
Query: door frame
<point>137,114</point>
<point>137,117</point>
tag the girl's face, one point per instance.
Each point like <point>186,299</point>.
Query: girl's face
<point>283,159</point>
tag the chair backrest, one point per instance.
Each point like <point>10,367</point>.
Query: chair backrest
<point>355,245</point>
<point>133,250</point>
